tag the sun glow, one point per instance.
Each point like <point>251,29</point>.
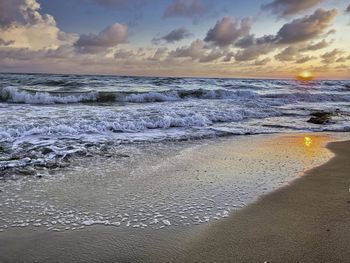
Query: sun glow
<point>305,76</point>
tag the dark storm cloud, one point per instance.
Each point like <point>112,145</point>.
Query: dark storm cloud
<point>185,8</point>
<point>228,30</point>
<point>306,28</point>
<point>173,36</point>
<point>348,9</point>
<point>289,7</point>
<point>111,36</point>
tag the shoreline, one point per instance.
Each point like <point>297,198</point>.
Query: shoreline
<point>306,221</point>
<point>227,167</point>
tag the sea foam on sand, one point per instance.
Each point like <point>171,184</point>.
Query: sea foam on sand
<point>161,185</point>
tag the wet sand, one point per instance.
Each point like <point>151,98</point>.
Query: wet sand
<point>303,222</point>
<point>308,221</point>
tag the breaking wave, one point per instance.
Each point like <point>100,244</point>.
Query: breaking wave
<point>27,96</point>
<point>15,95</point>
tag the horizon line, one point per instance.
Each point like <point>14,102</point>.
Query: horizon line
<point>169,76</point>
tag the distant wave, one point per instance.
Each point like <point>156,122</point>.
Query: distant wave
<point>15,95</point>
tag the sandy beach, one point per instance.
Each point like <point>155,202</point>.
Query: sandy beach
<point>207,198</point>
<point>307,221</point>
<point>174,131</point>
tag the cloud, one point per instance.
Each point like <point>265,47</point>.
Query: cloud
<point>194,50</point>
<point>348,9</point>
<point>290,7</point>
<point>246,41</point>
<point>123,54</point>
<point>23,26</point>
<point>252,48</point>
<point>342,59</point>
<point>292,53</point>
<point>185,8</point>
<point>315,46</point>
<point>306,28</point>
<point>228,30</point>
<point>159,54</point>
<point>262,62</point>
<point>6,43</point>
<point>291,34</point>
<point>22,12</point>
<point>288,54</point>
<point>332,56</point>
<point>213,55</point>
<point>254,51</point>
<point>198,51</point>
<point>173,36</point>
<point>111,36</point>
<point>305,59</point>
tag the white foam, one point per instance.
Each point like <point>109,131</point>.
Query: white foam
<point>13,94</point>
<point>166,222</point>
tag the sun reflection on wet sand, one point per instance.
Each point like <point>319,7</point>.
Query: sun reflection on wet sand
<point>308,141</point>
<point>308,149</point>
<point>311,145</point>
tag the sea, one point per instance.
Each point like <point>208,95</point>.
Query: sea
<point>154,153</point>
<point>47,119</point>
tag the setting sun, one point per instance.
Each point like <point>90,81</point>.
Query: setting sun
<point>305,76</point>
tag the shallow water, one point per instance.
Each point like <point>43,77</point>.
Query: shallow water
<point>160,185</point>
<point>145,202</point>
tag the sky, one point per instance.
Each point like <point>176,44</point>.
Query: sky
<point>197,38</point>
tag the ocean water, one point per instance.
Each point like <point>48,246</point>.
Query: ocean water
<point>47,119</point>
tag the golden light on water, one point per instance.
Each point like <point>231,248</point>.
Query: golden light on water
<point>307,141</point>
<point>305,76</point>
